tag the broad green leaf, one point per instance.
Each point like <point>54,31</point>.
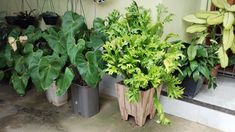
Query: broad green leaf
<point>193,19</point>
<point>96,40</point>
<point>88,68</point>
<point>193,65</point>
<point>98,24</point>
<point>223,57</point>
<point>28,48</point>
<point>20,82</point>
<point>74,49</point>
<point>204,71</point>
<point>49,70</point>
<point>72,23</point>
<point>220,3</point>
<point>192,52</point>
<point>65,81</point>
<point>228,38</point>
<point>56,40</point>
<point>196,75</point>
<point>21,65</point>
<point>202,52</point>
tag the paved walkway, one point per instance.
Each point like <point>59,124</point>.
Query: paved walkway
<point>33,113</point>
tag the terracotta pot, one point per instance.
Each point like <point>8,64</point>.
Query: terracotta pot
<point>139,110</point>
<point>214,71</point>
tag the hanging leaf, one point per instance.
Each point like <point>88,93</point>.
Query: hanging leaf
<point>192,52</point>
<point>228,20</point>
<point>223,57</point>
<point>196,28</point>
<point>228,37</point>
<point>194,19</point>
<point>65,81</point>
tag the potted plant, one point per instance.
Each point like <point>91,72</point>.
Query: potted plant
<point>196,66</point>
<point>80,47</point>
<point>50,18</point>
<point>25,19</point>
<point>137,52</point>
<point>16,55</point>
<point>223,20</point>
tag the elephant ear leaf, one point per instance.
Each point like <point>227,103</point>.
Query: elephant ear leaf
<point>49,70</point>
<point>88,68</point>
<point>96,40</point>
<point>20,82</point>
<point>73,49</point>
<point>72,22</point>
<point>98,24</point>
<point>65,81</point>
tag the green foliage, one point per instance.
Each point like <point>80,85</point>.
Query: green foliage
<point>199,61</point>
<point>137,51</point>
<point>222,19</point>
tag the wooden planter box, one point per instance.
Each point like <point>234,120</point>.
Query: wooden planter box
<point>139,110</point>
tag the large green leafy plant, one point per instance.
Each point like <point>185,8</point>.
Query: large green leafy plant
<point>199,61</point>
<point>137,52</point>
<point>223,19</point>
<point>80,48</point>
<point>16,57</point>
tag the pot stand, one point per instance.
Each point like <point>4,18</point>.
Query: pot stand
<point>139,110</point>
<point>85,100</point>
<point>53,98</point>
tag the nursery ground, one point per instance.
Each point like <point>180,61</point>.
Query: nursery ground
<point>33,113</point>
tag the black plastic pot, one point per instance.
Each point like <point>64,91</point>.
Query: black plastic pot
<point>25,22</point>
<point>11,20</point>
<point>85,100</point>
<point>50,20</point>
<point>191,87</point>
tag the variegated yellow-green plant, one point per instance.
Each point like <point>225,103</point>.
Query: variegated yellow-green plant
<point>223,18</point>
<point>137,52</point>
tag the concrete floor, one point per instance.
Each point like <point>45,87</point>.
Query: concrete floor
<point>33,113</point>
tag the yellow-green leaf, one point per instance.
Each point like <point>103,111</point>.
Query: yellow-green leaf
<point>193,19</point>
<point>215,19</point>
<point>206,14</point>
<point>223,57</point>
<point>196,28</point>
<point>228,37</point>
<point>228,20</point>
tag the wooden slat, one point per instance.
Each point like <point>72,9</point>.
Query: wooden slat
<point>139,110</point>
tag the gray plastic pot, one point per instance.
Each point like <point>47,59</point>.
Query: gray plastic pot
<point>85,100</point>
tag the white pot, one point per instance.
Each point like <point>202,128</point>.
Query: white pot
<point>54,98</point>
